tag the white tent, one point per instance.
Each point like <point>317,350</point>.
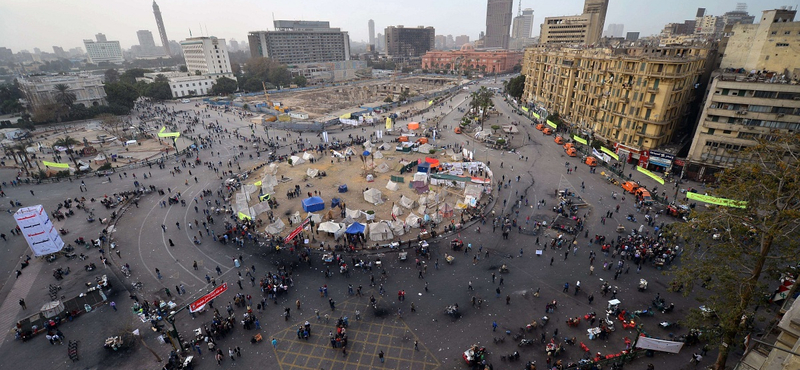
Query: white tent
<point>295,218</point>
<point>276,227</point>
<point>456,156</point>
<point>379,231</point>
<point>335,228</point>
<point>315,217</point>
<point>377,155</point>
<point>382,168</point>
<point>425,148</point>
<point>272,169</point>
<point>398,228</point>
<point>421,176</point>
<point>354,214</point>
<point>373,196</point>
<point>412,220</point>
<point>423,199</point>
<point>308,156</point>
<point>406,202</point>
<point>397,211</point>
<point>297,160</point>
<point>391,185</point>
<point>312,172</point>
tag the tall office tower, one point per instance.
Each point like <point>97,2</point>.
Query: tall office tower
<point>596,11</point>
<point>161,31</point>
<point>498,23</point>
<point>614,30</point>
<point>145,39</point>
<point>295,42</point>
<point>523,25</point>
<point>409,42</point>
<point>234,45</point>
<point>209,55</point>
<point>101,37</point>
<point>371,25</point>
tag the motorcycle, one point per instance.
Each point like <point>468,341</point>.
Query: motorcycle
<point>667,324</point>
<point>63,231</point>
<point>511,357</point>
<point>90,267</point>
<point>642,285</point>
<point>669,308</point>
<point>525,342</point>
<point>80,241</point>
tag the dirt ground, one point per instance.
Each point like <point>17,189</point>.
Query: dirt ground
<point>355,173</point>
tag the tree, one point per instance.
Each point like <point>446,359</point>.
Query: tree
<point>388,99</point>
<point>495,128</point>
<point>251,85</point>
<point>516,86</point>
<point>158,91</point>
<point>111,75</point>
<point>10,95</point>
<point>260,67</point>
<point>63,96</point>
<point>68,142</point>
<point>112,124</point>
<point>300,81</point>
<point>481,100</point>
<point>183,69</point>
<point>755,240</point>
<point>130,75</point>
<point>160,78</point>
<point>121,93</point>
<point>280,76</point>
<point>224,86</point>
<point>20,149</point>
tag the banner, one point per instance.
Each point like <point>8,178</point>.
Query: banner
<point>161,133</point>
<point>536,115</point>
<point>551,124</point>
<point>526,109</point>
<point>579,139</point>
<point>39,231</point>
<point>296,231</point>
<point>200,303</point>
<point>602,156</point>
<point>609,152</point>
<point>659,345</point>
<point>257,183</point>
<point>55,165</point>
<point>653,176</point>
<point>243,216</point>
<point>718,201</point>
<point>430,102</point>
<point>388,124</point>
<point>325,136</point>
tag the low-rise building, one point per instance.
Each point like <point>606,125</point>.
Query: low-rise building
<point>41,90</point>
<point>467,58</point>
<point>103,50</point>
<point>329,72</point>
<point>183,84</point>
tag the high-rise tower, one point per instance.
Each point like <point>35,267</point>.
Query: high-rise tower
<point>371,25</point>
<point>161,30</point>
<point>498,23</point>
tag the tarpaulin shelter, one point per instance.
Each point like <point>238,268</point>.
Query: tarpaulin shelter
<point>406,202</point>
<point>296,160</point>
<point>316,218</point>
<point>343,188</point>
<point>355,228</point>
<point>312,172</point>
<point>412,220</point>
<point>352,213</point>
<point>398,227</point>
<point>413,125</point>
<point>391,185</point>
<point>397,211</point>
<point>373,196</point>
<point>433,161</point>
<point>276,227</point>
<point>382,168</point>
<point>335,202</point>
<point>313,204</point>
<point>446,210</point>
<point>420,176</point>
<point>334,228</point>
<point>377,155</point>
<point>419,186</point>
<point>295,218</point>
<point>424,167</point>
<point>425,148</point>
<point>380,231</point>
<point>308,156</point>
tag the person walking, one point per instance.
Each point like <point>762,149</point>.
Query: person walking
<point>494,325</point>
<point>274,343</point>
<point>23,304</point>
<point>380,356</point>
<point>167,292</point>
<point>113,305</point>
<point>158,273</point>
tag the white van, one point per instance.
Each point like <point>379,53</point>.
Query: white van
<point>185,101</point>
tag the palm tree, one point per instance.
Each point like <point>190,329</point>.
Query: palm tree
<point>63,96</point>
<point>481,99</point>
<point>20,149</point>
<point>68,142</point>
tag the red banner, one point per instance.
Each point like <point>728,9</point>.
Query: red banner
<point>200,303</point>
<point>296,231</point>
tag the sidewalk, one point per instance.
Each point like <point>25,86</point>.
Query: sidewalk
<point>12,292</point>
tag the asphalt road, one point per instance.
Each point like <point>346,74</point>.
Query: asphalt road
<point>145,247</point>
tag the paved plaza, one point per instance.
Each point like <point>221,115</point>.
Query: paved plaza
<point>507,299</point>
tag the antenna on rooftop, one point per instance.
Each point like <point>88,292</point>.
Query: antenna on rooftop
<point>519,8</point>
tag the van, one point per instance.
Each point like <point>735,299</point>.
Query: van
<point>572,152</point>
<point>644,195</point>
<point>591,161</point>
<point>540,126</point>
<point>185,101</point>
<point>547,131</point>
<point>630,186</point>
<point>559,140</point>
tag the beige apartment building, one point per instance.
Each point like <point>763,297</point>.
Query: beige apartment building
<point>754,96</point>
<point>634,98</point>
<point>770,45</point>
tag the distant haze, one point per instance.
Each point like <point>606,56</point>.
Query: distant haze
<point>26,24</point>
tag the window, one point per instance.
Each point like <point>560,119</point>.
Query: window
<point>726,132</point>
<point>710,132</point>
<point>782,44</point>
<point>764,94</point>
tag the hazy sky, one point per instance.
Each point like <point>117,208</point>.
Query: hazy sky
<point>25,24</point>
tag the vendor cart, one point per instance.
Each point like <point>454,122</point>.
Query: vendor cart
<point>327,258</point>
<point>475,354</point>
<point>456,244</point>
<point>642,285</point>
<point>449,258</point>
<point>403,256</point>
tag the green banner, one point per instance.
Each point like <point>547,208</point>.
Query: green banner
<point>718,201</point>
<point>579,139</point>
<point>551,124</point>
<point>525,108</point>
<point>609,152</point>
<point>536,115</point>
<point>653,176</point>
<point>55,165</point>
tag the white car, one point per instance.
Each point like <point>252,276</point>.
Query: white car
<point>185,101</point>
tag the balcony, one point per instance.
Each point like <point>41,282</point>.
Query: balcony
<point>648,104</point>
<point>652,90</point>
<point>650,136</point>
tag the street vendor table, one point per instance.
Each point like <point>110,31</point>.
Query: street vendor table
<point>593,332</point>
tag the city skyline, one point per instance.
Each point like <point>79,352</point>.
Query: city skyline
<point>67,24</point>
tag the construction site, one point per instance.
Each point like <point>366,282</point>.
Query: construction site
<point>387,193</point>
<point>332,102</point>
